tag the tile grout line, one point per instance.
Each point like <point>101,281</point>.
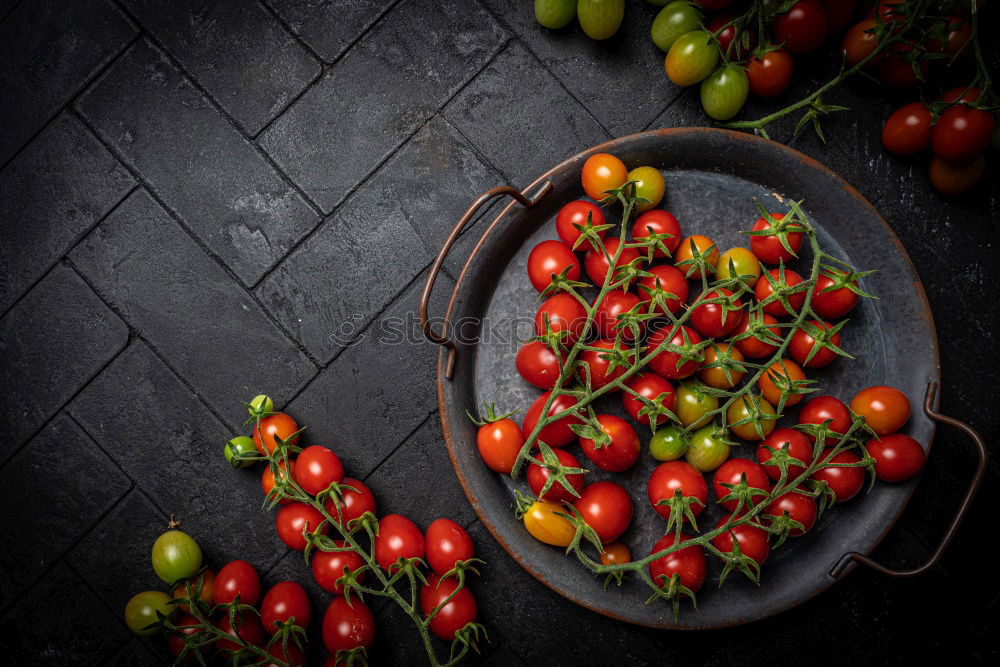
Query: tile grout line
<point>400,444</point>
<point>11,10</point>
<point>671,103</point>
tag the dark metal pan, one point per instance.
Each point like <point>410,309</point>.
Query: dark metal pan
<point>712,178</point>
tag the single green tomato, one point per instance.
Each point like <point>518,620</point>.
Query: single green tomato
<point>676,19</point>
<point>707,450</point>
<point>260,405</point>
<point>725,92</point>
<point>240,445</point>
<point>600,19</point>
<point>694,404</point>
<point>175,556</point>
<point>649,185</point>
<point>141,610</point>
<point>555,14</point>
<point>691,58</point>
<point>668,443</point>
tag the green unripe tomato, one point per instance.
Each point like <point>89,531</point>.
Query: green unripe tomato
<point>240,445</point>
<point>175,556</point>
<point>668,443</point>
<point>676,19</point>
<point>140,612</point>
<point>691,58</point>
<point>649,185</point>
<point>724,92</point>
<point>707,450</point>
<point>694,404</point>
<point>555,14</point>
<point>600,19</point>
<point>260,405</point>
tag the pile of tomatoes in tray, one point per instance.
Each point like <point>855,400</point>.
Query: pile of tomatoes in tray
<point>731,334</point>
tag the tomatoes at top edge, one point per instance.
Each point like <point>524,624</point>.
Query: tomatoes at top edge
<point>803,28</point>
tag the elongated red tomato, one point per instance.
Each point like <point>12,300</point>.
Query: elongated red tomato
<point>279,425</point>
<point>908,130</point>
<point>550,258</point>
<point>455,615</point>
<point>398,537</point>
<point>623,450</point>
<point>574,215</point>
<point>237,578</point>
<point>447,543</point>
<point>557,493</point>
<point>293,520</point>
<point>557,434</point>
<point>316,468</point>
<point>354,503</point>
<point>688,563</point>
<point>802,28</point>
<point>286,601</point>
<point>961,133</point>
<point>667,362</point>
<point>348,625</point>
<point>499,443</point>
<point>885,409</point>
<point>844,481</point>
<point>897,457</point>
<point>607,508</point>
<point>649,386</point>
<point>329,566</point>
<point>538,364</point>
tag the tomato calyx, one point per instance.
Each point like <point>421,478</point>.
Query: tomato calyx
<point>654,243</point>
<point>350,657</point>
<point>758,327</point>
<point>823,336</point>
<point>755,414</point>
<point>680,512</point>
<point>736,559</point>
<point>259,407</point>
<point>745,495</point>
<point>792,222</point>
<point>591,233</point>
<point>788,386</point>
<point>561,282</point>
<point>845,279</point>
<point>654,408</point>
<point>671,591</point>
<point>732,368</point>
<point>489,415</point>
<point>557,471</point>
<point>687,351</point>
<point>701,263</point>
<point>784,526</point>
<point>782,460</point>
<point>781,290</point>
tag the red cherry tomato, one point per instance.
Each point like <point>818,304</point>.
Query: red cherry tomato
<point>885,409</point>
<point>329,566</point>
<point>731,472</point>
<point>822,408</point>
<point>770,74</point>
<point>952,180</point>
<point>753,347</point>
<point>613,304</point>
<point>248,628</point>
<point>796,443</point>
<point>802,28</point>
<point>549,258</point>
<point>712,320</point>
<point>658,221</point>
<point>768,248</point>
<point>845,482</point>
<point>455,615</point>
<point>596,264</point>
<point>499,443</point>
<point>398,537</point>
<point>832,304</point>
<point>908,130</point>
<point>752,540</point>
<point>670,476</point>
<point>616,553</point>
<point>602,172</point>
<point>896,69</point>
<point>798,507</point>
<point>237,578</point>
<point>623,450</point>
<point>897,457</point>
<point>666,362</point>
<point>962,133</point>
<point>802,344</point>
<point>286,601</point>
<point>737,51</point>
<point>607,508</point>
<point>599,364</point>
<point>354,503</point>
<point>575,213</point>
<point>447,543</point>
<point>277,425</point>
<point>186,625</point>
<point>961,94</point>
<point>762,290</point>
<point>557,493</point>
<point>563,313</point>
<point>648,385</point>
<point>558,433</point>
<point>294,518</point>
<point>267,479</point>
<point>687,563</point>
<point>538,364</point>
<point>316,468</point>
<point>664,280</point>
<point>859,43</point>
<point>295,656</point>
<point>347,626</point>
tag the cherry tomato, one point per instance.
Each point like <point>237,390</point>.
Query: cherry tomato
<point>141,612</point>
<point>600,19</point>
<point>724,92</point>
<point>398,537</point>
<point>237,578</point>
<point>960,94</point>
<point>770,74</point>
<point>329,566</point>
<point>763,289</point>
<point>447,543</point>
<point>952,180</point>
<point>714,320</point>
<point>187,626</point>
<point>706,449</point>
<point>822,408</point>
<point>574,215</point>
<point>896,69</point>
<point>795,443</point>
<point>602,172</point>
<point>691,58</point>
<point>798,507</point>
<point>743,408</point>
<point>735,52</point>
<point>705,247</point>
<point>665,281</point>
<point>615,553</point>
<point>668,363</point>
<point>838,13</point>
<point>957,41</point>
<point>731,472</point>
<point>753,347</point>
<point>885,409</point>
<point>832,304</point>
<point>752,540</point>
<point>897,457</point>
<point>279,425</point>
<point>354,503</point>
<point>738,263</point>
<point>558,433</point>
<point>459,612</point>
<point>769,249</point>
<point>781,375</point>
<point>613,304</point>
<point>802,344</point>
<point>687,563</point>
<point>596,264</point>
<point>543,522</point>
<point>674,20</point>
<point>961,133</point>
<point>658,221</point>
<point>499,443</point>
<point>908,130</point>
<point>563,313</point>
<point>203,584</point>
<point>241,444</point>
<point>549,258</point>
<point>650,386</point>
<point>859,43</point>
<point>555,14</point>
<point>802,28</point>
<point>286,601</point>
<point>347,626</point>
<point>649,185</point>
<point>667,477</point>
<point>316,468</point>
<point>599,364</point>
<point>267,479</point>
<point>557,493</point>
<point>607,508</point>
<point>291,654</point>
<point>248,628</point>
<point>623,450</point>
<point>538,364</point>
<point>694,404</point>
<point>845,482</point>
<point>294,518</point>
<point>668,443</point>
<point>175,556</point>
<point>715,376</point>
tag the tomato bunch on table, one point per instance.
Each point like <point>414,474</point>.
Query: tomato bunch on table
<point>686,336</point>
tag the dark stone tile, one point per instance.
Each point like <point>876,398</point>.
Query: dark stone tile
<point>385,381</point>
<point>197,162</point>
<point>391,81</point>
<point>132,527</point>
<point>187,307</point>
<point>169,442</point>
<point>138,652</point>
<point>66,483</point>
<point>416,196</point>
<point>330,26</point>
<point>50,194</point>
<point>518,116</point>
<point>59,326</point>
<point>620,80</point>
<point>28,635</point>
<point>237,51</point>
<point>50,50</point>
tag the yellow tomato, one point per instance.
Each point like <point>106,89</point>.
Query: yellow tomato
<point>546,526</point>
<point>741,409</point>
<point>745,263</point>
<point>649,185</point>
<point>782,372</point>
<point>716,375</point>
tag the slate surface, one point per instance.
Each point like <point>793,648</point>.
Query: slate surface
<point>209,200</point>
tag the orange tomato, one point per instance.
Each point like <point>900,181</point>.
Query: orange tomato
<point>741,409</point>
<point>546,526</point>
<point>602,172</point>
<point>716,376</point>
<point>615,553</point>
<point>885,409</point>
<point>701,244</point>
<point>786,368</point>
